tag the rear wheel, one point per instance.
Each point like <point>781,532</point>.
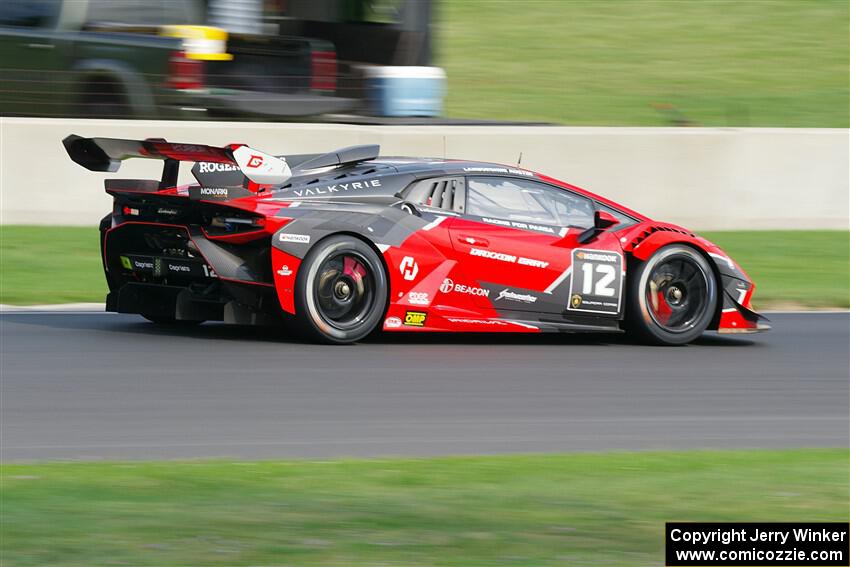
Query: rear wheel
<point>672,296</point>
<point>341,290</point>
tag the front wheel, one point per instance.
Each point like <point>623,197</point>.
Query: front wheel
<point>672,296</point>
<point>341,290</point>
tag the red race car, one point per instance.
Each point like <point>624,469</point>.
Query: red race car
<point>347,243</point>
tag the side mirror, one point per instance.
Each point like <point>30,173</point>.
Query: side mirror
<point>603,220</point>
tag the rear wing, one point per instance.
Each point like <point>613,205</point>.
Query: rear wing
<point>106,154</point>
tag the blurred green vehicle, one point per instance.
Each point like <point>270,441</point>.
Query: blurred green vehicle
<point>100,58</point>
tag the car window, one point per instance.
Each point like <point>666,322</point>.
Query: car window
<point>527,201</point>
<point>28,13</point>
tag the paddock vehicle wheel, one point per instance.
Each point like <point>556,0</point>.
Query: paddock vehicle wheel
<point>341,290</point>
<point>672,296</point>
<point>103,98</point>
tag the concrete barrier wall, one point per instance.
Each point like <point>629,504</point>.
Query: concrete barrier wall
<point>702,178</point>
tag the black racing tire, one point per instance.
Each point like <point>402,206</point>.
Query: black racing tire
<point>341,290</point>
<point>672,296</point>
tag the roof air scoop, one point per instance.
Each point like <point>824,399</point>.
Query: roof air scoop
<point>351,154</point>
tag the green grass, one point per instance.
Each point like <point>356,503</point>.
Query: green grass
<point>790,268</point>
<point>50,265</point>
<point>647,62</point>
<point>586,509</point>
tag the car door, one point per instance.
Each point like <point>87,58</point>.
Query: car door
<point>519,238</point>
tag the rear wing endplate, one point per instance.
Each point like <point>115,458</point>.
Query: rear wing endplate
<point>106,154</point>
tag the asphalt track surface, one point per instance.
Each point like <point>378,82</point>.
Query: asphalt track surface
<point>105,386</point>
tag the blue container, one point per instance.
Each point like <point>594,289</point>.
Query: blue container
<point>405,91</point>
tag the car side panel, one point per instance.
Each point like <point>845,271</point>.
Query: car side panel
<point>433,285</point>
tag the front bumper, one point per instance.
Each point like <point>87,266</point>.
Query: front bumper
<point>736,318</point>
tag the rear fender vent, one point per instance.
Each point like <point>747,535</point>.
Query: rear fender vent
<point>447,193</point>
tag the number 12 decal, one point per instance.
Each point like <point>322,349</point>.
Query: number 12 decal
<point>606,272</point>
<point>597,281</point>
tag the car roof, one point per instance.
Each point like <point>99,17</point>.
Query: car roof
<point>420,167</point>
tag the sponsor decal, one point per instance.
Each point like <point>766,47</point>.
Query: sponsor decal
<point>415,318</point>
<point>597,281</point>
<point>210,167</point>
<point>511,170</point>
<point>159,266</point>
<point>299,238</point>
<point>179,268</point>
<point>596,256</point>
<point>261,168</point>
<point>189,148</point>
<point>136,263</point>
<point>418,298</point>
<point>531,262</point>
<point>392,323</point>
<point>513,296</point>
<point>510,258</point>
<point>337,188</point>
<point>490,322</point>
<point>284,271</point>
<point>130,211</point>
<point>479,291</point>
<point>520,225</point>
<point>492,255</point>
<point>167,212</point>
<point>448,286</point>
<point>218,192</point>
<point>408,268</point>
